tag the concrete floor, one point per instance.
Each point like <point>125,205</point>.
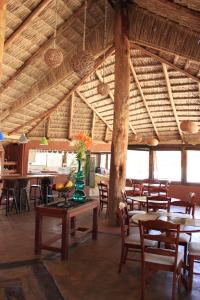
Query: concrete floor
<point>91,272</point>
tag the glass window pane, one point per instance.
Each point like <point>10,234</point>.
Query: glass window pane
<point>167,165</point>
<point>137,164</point>
<point>54,160</point>
<point>103,161</point>
<point>193,166</point>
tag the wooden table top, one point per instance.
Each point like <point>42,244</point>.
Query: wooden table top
<point>187,222</point>
<point>143,199</point>
<point>27,177</point>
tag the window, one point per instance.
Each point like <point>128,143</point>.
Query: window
<point>103,161</point>
<point>137,164</point>
<point>167,165</point>
<point>193,166</point>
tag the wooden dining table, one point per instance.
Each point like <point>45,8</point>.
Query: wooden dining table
<point>187,222</point>
<point>143,199</point>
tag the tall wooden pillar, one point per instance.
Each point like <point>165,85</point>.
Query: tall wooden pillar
<point>2,31</point>
<point>121,110</point>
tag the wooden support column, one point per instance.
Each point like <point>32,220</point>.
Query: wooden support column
<point>71,112</point>
<point>121,110</point>
<point>93,124</point>
<point>2,30</point>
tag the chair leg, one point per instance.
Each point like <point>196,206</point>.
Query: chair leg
<point>27,199</point>
<point>121,259</point>
<point>142,283</point>
<point>174,286</point>
<point>190,275</point>
<point>185,256</point>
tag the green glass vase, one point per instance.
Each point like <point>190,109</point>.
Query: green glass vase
<point>79,194</point>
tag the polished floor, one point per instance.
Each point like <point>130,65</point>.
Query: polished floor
<point>91,272</point>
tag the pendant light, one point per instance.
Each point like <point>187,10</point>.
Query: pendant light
<point>53,57</point>
<point>43,140</point>
<point>23,138</point>
<point>103,88</point>
<point>83,61</point>
<point>136,138</point>
<point>151,141</point>
<point>1,133</point>
<point>188,126</point>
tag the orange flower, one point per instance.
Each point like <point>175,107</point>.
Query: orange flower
<point>82,143</point>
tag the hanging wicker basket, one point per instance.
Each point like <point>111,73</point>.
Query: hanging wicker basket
<point>103,89</point>
<point>82,62</point>
<point>53,57</point>
<point>151,141</point>
<point>189,126</point>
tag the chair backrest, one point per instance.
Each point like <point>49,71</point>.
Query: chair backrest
<point>122,214</point>
<point>189,205</point>
<point>169,236</point>
<point>158,202</point>
<point>137,188</point>
<point>103,191</point>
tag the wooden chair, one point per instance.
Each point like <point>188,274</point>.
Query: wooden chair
<point>103,197</point>
<point>131,204</point>
<point>130,242</point>
<point>137,188</point>
<point>168,259</point>
<point>188,207</point>
<point>158,202</point>
<point>193,256</point>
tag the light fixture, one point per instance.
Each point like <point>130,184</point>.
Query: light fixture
<point>188,126</point>
<point>1,133</point>
<point>44,141</point>
<point>103,88</point>
<point>151,141</point>
<point>137,138</point>
<point>23,138</point>
<point>83,61</point>
<point>53,57</point>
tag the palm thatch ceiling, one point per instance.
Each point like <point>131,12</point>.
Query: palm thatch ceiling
<point>165,69</point>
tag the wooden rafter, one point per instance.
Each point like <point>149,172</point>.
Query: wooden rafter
<point>93,124</point>
<point>92,108</point>
<point>34,14</point>
<point>112,98</point>
<point>51,79</point>
<point>143,98</point>
<point>173,12</point>
<point>169,90</point>
<point>47,127</point>
<point>39,52</point>
<point>71,112</point>
<point>162,60</point>
<point>106,134</point>
<point>51,110</point>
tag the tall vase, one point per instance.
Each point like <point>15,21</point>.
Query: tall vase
<point>79,194</point>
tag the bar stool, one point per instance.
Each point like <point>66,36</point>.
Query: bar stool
<point>23,199</point>
<point>35,194</point>
<point>10,198</point>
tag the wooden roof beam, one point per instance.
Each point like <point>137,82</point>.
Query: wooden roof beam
<point>172,11</point>
<point>143,98</point>
<point>33,15</point>
<point>112,98</point>
<point>2,31</point>
<point>162,60</point>
<point>39,52</point>
<point>169,90</point>
<point>76,86</point>
<point>80,95</point>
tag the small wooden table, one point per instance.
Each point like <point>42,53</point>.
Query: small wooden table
<point>68,217</point>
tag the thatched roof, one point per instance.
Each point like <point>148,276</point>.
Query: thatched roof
<point>165,69</point>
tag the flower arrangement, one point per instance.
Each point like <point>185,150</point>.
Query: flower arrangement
<point>82,143</point>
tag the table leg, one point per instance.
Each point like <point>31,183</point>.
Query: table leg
<point>65,237</point>
<point>95,223</point>
<point>73,225</point>
<point>38,233</point>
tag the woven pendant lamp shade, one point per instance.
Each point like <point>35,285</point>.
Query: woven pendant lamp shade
<point>82,62</point>
<point>103,89</point>
<point>53,57</point>
<point>189,126</point>
<point>152,141</point>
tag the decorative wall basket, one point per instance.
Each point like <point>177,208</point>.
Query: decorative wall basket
<point>53,57</point>
<point>189,126</point>
<point>103,89</point>
<point>151,141</point>
<point>82,62</point>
